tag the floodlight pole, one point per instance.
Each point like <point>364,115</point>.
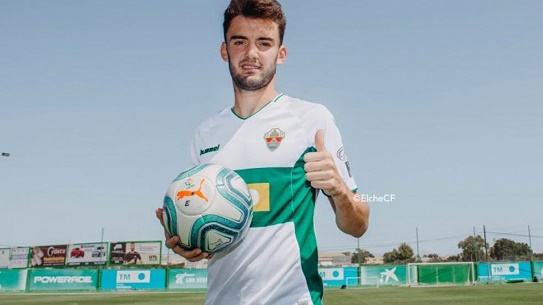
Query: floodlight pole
<point>531,252</point>
<point>418,256</point>
<point>102,245</point>
<point>358,271</point>
<point>475,246</point>
<point>486,255</point>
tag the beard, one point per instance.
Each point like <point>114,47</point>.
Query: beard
<point>253,82</point>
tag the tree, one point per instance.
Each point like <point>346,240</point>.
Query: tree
<point>454,258</point>
<point>406,252</point>
<point>390,257</point>
<point>403,254</point>
<point>434,257</point>
<point>505,248</point>
<point>364,254</point>
<point>473,249</point>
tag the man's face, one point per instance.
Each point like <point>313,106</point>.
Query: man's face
<point>132,247</point>
<point>253,50</point>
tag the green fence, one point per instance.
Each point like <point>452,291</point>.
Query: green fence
<point>444,274</point>
<point>92,279</point>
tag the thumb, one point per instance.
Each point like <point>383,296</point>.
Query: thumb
<point>319,140</point>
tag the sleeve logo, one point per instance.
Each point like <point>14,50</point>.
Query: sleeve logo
<point>341,154</point>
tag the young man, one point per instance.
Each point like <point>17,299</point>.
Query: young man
<point>133,256</point>
<point>285,149</point>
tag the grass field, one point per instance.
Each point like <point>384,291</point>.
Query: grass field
<point>465,295</point>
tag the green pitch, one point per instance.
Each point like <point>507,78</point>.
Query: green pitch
<point>465,295</point>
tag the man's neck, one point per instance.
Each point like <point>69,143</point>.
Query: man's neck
<point>248,103</point>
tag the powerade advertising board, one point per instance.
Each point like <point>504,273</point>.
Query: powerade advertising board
<point>133,279</point>
<point>62,280</point>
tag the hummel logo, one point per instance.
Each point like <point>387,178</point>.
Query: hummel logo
<point>209,149</point>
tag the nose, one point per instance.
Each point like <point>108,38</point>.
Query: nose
<point>252,51</point>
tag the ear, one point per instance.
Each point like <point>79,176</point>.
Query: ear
<point>224,52</point>
<point>282,56</point>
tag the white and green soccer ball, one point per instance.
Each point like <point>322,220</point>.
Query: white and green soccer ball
<point>209,207</point>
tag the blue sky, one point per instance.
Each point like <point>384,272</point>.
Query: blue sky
<point>439,103</point>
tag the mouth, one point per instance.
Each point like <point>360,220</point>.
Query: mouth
<point>250,67</point>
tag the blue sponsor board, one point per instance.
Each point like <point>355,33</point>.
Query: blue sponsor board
<point>505,271</point>
<point>187,279</point>
<point>133,279</point>
<point>336,277</point>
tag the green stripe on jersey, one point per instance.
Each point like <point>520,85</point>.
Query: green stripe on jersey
<point>291,199</point>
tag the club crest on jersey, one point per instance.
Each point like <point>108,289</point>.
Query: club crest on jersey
<point>273,138</point>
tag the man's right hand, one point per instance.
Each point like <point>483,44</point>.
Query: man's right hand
<point>172,242</point>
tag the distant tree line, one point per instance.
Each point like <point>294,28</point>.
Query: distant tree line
<point>473,249</point>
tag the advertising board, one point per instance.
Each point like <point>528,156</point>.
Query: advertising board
<point>87,254</point>
<point>505,271</point>
<point>187,279</point>
<point>19,258</point>
<point>48,256</point>
<point>12,280</point>
<point>62,279</point>
<point>135,253</point>
<point>383,275</point>
<point>4,258</point>
<point>133,279</point>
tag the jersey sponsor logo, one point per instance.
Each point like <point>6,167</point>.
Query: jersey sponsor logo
<point>188,193</point>
<point>273,138</point>
<point>260,192</point>
<point>209,149</point>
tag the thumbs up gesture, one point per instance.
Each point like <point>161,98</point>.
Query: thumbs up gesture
<point>321,170</point>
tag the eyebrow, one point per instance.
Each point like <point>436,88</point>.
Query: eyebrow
<point>245,38</point>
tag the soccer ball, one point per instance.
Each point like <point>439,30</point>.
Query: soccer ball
<point>208,207</point>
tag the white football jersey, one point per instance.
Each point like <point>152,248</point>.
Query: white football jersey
<point>276,264</point>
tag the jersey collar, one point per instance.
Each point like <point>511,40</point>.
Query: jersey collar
<point>266,105</point>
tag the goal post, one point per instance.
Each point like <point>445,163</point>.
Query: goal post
<point>446,273</point>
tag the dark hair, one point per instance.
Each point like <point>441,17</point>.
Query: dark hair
<point>261,9</point>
